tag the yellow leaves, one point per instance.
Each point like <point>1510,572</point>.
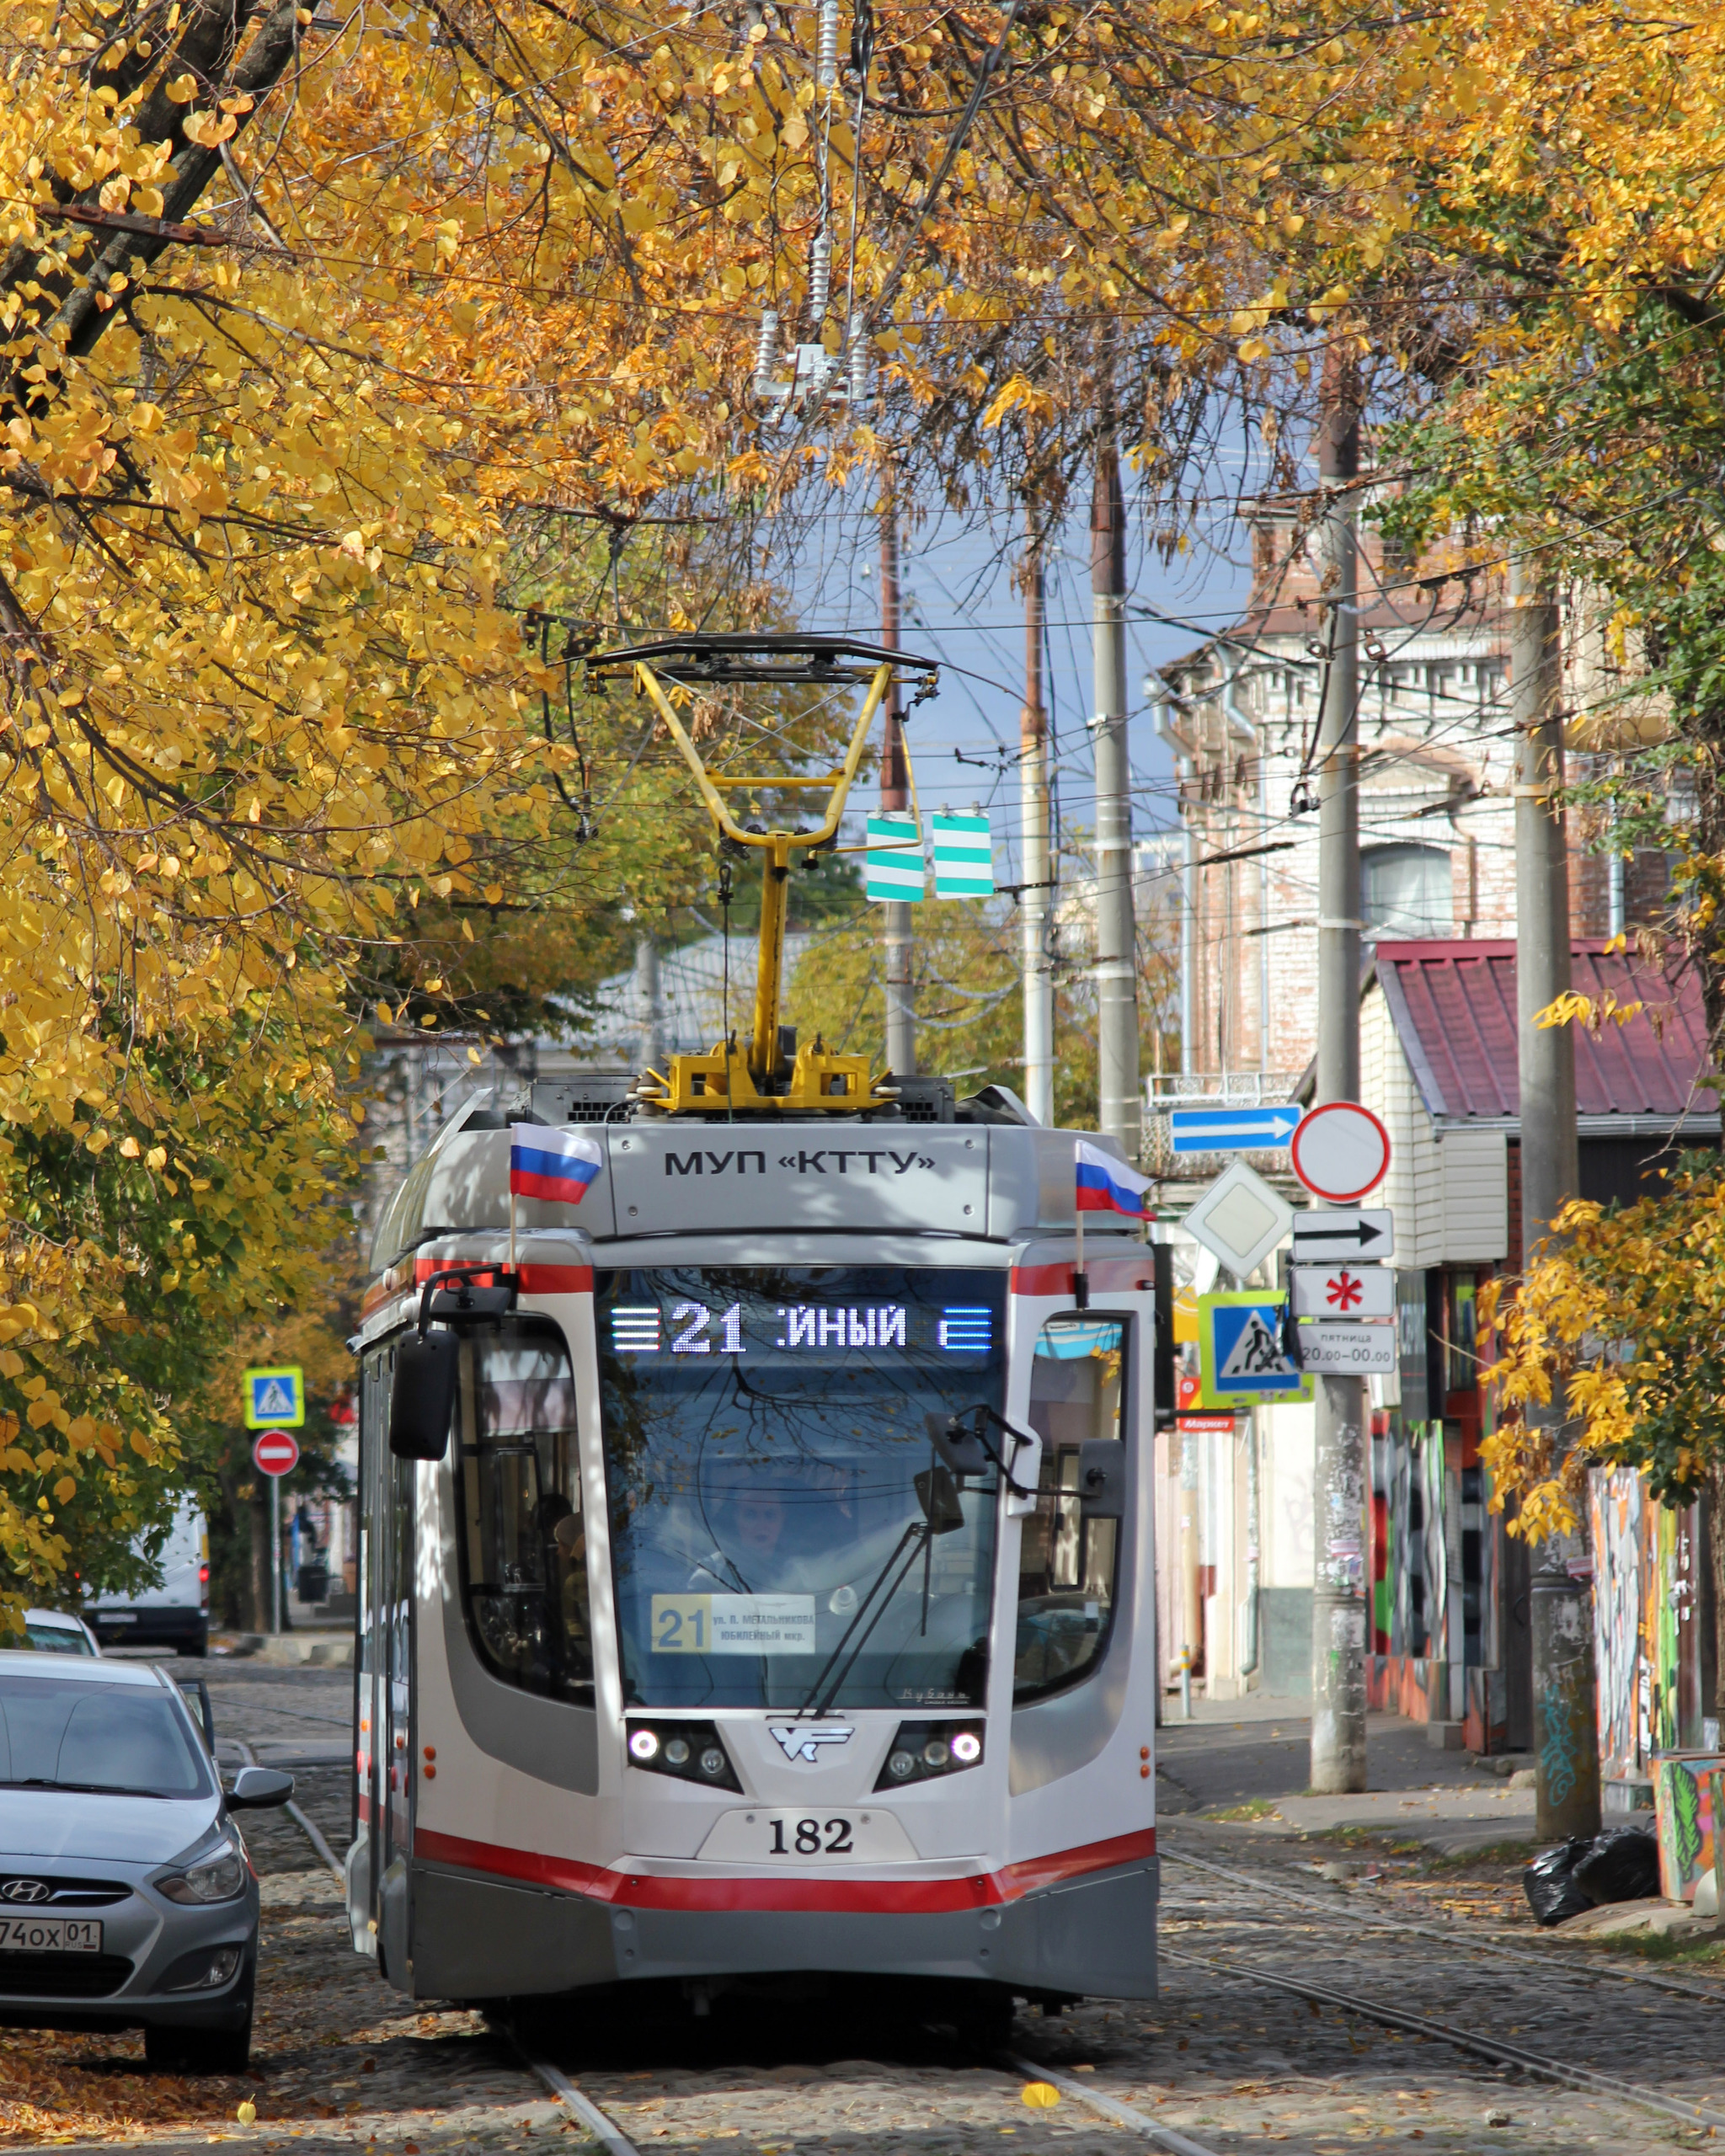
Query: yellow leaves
<point>66,1489</point>
<point>1572,1008</point>
<point>129,1148</point>
<point>182,89</point>
<point>157,1157</point>
<point>208,130</point>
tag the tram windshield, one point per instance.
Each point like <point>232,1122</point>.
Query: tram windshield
<point>764,1427</point>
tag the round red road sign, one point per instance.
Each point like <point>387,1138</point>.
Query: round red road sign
<point>277,1452</point>
<point>1340,1151</point>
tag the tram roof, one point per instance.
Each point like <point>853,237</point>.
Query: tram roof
<point>998,1181</point>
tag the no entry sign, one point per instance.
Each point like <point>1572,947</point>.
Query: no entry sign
<point>1340,1151</point>
<point>277,1452</point>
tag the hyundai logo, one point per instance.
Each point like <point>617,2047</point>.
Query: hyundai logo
<point>803,1740</point>
<point>26,1890</point>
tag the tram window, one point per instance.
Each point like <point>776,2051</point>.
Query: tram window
<point>1067,1565</point>
<point>524,1551</point>
<point>764,1430</point>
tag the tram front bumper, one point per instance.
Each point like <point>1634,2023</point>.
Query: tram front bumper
<point>476,1937</point>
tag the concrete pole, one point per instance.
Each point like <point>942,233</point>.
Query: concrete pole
<point>895,797</point>
<point>649,1003</point>
<point>1034,901</point>
<point>1339,1582</point>
<point>1565,1746</point>
<point>1120,1107</point>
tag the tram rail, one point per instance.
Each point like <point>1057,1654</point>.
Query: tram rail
<point>1546,1959</point>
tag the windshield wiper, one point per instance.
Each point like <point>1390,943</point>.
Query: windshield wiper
<point>942,1512</point>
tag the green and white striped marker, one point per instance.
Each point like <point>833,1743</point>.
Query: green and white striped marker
<point>964,857</point>
<point>895,873</point>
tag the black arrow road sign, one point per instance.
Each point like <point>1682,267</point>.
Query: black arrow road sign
<point>1343,1233</point>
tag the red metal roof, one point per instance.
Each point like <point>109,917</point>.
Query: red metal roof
<point>1453,1004</point>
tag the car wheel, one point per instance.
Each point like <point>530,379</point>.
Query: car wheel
<point>200,2051</point>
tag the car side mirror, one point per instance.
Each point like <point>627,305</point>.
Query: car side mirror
<point>422,1396</point>
<point>1102,1479</point>
<point>260,1788</point>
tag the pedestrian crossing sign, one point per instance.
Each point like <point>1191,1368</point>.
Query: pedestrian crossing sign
<point>1240,1359</point>
<point>275,1399</point>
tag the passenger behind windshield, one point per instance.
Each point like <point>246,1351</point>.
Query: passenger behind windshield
<point>118,1738</point>
<point>763,1430</point>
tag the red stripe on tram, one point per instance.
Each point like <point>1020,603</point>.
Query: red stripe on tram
<point>536,1279</point>
<point>877,1896</point>
<point>1115,1274</point>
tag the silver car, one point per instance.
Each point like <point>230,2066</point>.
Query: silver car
<point>126,1894</point>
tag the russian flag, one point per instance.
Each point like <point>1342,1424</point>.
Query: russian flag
<point>555,1164</point>
<point>1106,1185</point>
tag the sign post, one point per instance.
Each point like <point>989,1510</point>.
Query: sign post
<point>276,1407</point>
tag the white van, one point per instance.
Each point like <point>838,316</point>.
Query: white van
<point>175,1614</point>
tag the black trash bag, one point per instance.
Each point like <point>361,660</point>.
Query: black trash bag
<point>1549,1884</point>
<point>1622,1864</point>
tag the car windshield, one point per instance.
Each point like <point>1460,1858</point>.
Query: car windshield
<point>764,1432</point>
<point>55,1733</point>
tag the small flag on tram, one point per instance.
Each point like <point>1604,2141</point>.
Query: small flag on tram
<point>554,1164</point>
<point>964,857</point>
<point>1106,1185</point>
<point>895,859</point>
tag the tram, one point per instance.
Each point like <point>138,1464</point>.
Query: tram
<point>756,1565</point>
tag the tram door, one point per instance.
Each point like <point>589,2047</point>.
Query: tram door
<point>385,1758</point>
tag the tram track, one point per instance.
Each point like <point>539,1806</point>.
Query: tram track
<point>1545,1959</point>
<point>1234,1969</point>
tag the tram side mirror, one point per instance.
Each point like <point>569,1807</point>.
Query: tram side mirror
<point>422,1399</point>
<point>1102,1479</point>
<point>960,1449</point>
<point>939,1496</point>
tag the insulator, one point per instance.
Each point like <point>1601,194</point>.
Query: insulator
<point>858,352</point>
<point>827,62</point>
<point>819,279</point>
<point>767,352</point>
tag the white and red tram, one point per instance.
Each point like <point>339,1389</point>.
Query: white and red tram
<point>782,1600</point>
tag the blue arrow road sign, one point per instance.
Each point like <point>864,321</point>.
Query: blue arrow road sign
<point>1233,1130</point>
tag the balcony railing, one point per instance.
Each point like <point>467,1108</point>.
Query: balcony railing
<point>1219,1089</point>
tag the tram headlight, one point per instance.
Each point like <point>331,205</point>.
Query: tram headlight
<point>926,1751</point>
<point>688,1751</point>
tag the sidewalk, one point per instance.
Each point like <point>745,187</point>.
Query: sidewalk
<point>1255,1753</point>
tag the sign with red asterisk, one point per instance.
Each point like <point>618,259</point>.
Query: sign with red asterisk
<point>1349,1292</point>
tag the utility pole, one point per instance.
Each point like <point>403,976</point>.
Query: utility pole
<point>895,797</point>
<point>1119,1111</point>
<point>1338,1516</point>
<point>1565,1746</point>
<point>1035,906</point>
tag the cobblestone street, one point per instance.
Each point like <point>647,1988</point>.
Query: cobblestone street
<point>341,2061</point>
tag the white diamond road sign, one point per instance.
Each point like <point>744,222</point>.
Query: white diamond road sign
<point>1354,1351</point>
<point>1342,1291</point>
<point>1232,1130</point>
<point>1239,1218</point>
<point>1320,1237</point>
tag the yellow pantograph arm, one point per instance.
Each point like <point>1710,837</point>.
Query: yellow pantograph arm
<point>721,815</point>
